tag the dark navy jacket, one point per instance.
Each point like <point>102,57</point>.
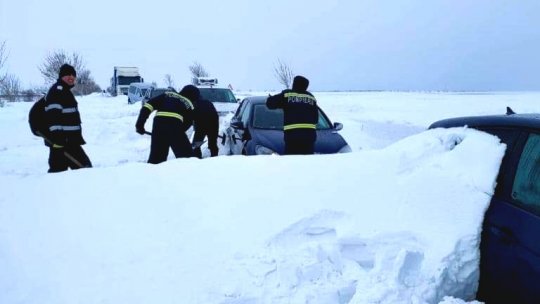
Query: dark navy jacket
<point>62,116</point>
<point>300,114</point>
<point>206,122</point>
<point>172,109</point>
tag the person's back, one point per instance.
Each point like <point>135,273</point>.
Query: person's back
<point>174,115</point>
<point>206,123</point>
<point>300,116</point>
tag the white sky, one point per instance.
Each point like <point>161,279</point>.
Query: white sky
<point>338,45</point>
<point>396,221</point>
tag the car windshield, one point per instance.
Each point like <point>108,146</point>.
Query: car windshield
<point>217,95</point>
<point>272,119</point>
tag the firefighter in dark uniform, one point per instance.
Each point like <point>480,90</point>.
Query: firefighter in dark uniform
<point>64,134</point>
<point>300,116</point>
<point>173,117</point>
<point>206,124</point>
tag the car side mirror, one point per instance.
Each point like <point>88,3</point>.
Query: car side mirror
<point>237,124</point>
<point>338,126</point>
<point>237,100</point>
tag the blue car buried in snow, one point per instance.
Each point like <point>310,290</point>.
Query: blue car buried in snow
<point>256,130</point>
<point>510,245</point>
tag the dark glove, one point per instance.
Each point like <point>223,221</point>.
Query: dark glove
<point>140,129</point>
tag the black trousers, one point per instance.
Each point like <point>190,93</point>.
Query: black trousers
<point>212,142</point>
<point>299,147</point>
<point>73,157</point>
<point>198,152</point>
<point>169,139</point>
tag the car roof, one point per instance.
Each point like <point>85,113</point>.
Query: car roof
<point>525,120</point>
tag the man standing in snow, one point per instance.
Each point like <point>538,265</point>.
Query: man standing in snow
<point>64,134</point>
<point>206,124</point>
<point>300,116</point>
<point>173,117</point>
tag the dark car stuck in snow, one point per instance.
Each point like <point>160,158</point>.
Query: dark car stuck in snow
<point>510,244</point>
<point>257,130</point>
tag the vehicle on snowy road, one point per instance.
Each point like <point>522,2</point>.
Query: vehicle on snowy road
<point>510,244</point>
<point>256,129</point>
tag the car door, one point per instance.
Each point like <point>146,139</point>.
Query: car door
<point>238,128</point>
<point>510,248</point>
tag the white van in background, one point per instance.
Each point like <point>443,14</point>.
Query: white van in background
<point>137,91</point>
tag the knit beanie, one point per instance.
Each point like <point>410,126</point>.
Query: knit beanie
<point>65,70</point>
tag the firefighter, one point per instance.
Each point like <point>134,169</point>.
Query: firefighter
<point>206,124</point>
<point>64,134</point>
<point>300,116</point>
<point>173,118</point>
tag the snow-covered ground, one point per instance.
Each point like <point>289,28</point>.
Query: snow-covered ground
<point>396,221</point>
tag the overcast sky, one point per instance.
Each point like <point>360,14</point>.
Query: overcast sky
<point>338,45</point>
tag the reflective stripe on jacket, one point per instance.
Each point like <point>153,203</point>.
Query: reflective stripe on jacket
<point>299,126</point>
<point>62,116</point>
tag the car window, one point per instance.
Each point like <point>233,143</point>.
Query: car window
<point>323,123</point>
<point>240,110</point>
<point>526,187</point>
<point>265,118</point>
<point>245,114</point>
<point>217,95</point>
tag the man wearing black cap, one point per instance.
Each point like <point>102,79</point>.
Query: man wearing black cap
<point>173,117</point>
<point>64,134</point>
<point>300,116</point>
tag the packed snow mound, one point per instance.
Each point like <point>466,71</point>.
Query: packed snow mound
<point>397,225</point>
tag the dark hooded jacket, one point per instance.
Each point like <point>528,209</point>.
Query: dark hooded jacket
<point>174,115</point>
<point>168,105</point>
<point>206,124</point>
<point>300,111</point>
<point>62,116</point>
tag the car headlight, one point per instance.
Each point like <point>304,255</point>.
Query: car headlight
<point>262,150</point>
<point>345,149</point>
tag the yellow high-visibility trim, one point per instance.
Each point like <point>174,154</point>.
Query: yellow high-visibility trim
<point>57,146</point>
<point>170,114</point>
<point>290,94</point>
<point>184,99</point>
<point>149,107</point>
<point>187,101</point>
<point>299,126</point>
